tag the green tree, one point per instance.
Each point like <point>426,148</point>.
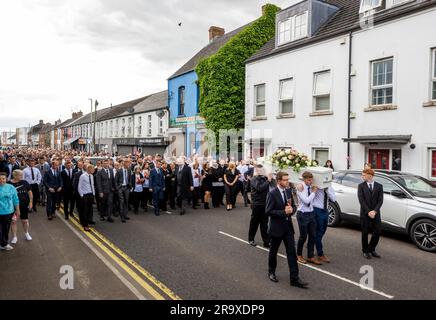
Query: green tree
<point>222,75</point>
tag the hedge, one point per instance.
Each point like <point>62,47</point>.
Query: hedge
<point>221,77</point>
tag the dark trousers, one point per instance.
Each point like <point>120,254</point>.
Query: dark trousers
<point>5,225</point>
<point>172,197</point>
<point>231,193</point>
<point>216,193</point>
<point>183,197</point>
<point>166,198</point>
<point>146,198</point>
<point>86,215</point>
<point>107,205</point>
<point>195,196</point>
<point>136,200</point>
<point>52,200</point>
<point>116,204</point>
<point>35,192</point>
<point>375,224</point>
<point>288,240</point>
<point>307,226</point>
<point>68,200</point>
<point>322,219</point>
<point>157,199</point>
<point>124,195</point>
<point>258,217</point>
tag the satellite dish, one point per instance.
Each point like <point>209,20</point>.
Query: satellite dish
<point>131,110</point>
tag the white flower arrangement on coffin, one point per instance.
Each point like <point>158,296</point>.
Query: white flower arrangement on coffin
<point>289,159</point>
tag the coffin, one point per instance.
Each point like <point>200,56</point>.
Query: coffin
<point>322,177</point>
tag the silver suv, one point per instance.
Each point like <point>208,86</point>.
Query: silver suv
<point>409,204</point>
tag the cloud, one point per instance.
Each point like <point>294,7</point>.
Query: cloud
<point>58,53</point>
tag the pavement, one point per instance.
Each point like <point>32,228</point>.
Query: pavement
<point>203,255</point>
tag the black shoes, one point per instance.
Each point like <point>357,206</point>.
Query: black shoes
<point>92,223</point>
<point>123,221</point>
<point>267,245</point>
<point>126,218</point>
<point>252,243</point>
<point>299,284</point>
<point>206,206</point>
<point>375,255</point>
<point>273,277</point>
<point>110,220</point>
<point>366,256</point>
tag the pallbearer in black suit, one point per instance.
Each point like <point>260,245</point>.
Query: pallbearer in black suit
<point>123,181</point>
<point>280,207</point>
<point>105,184</point>
<point>67,193</point>
<point>370,195</point>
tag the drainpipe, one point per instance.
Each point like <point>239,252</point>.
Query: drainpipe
<point>350,65</point>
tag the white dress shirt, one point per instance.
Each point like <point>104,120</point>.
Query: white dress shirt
<point>370,185</point>
<point>306,200</point>
<point>318,202</point>
<point>86,184</point>
<point>27,175</point>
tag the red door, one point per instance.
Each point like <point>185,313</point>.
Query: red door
<point>379,159</point>
<point>433,164</point>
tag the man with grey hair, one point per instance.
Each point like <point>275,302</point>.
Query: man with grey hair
<point>185,184</point>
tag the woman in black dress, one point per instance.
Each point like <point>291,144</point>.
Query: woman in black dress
<point>206,184</point>
<point>25,197</point>
<point>231,177</point>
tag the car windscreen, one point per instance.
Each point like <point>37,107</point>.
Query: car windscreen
<point>418,186</point>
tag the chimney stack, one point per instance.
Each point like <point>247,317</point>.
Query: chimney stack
<point>215,32</point>
<point>77,115</point>
<point>41,121</point>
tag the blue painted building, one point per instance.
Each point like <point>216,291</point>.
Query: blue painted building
<point>187,129</point>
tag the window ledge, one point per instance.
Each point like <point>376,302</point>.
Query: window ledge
<point>286,116</point>
<point>321,113</point>
<point>259,118</point>
<point>381,107</point>
<point>429,104</point>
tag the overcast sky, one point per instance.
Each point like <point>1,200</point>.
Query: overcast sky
<point>56,54</point>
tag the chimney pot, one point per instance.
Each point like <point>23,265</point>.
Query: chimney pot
<point>215,32</point>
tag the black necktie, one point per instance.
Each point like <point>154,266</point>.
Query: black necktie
<point>326,199</point>
<point>308,190</point>
<point>33,175</point>
<point>285,198</point>
<point>90,184</point>
<point>370,187</point>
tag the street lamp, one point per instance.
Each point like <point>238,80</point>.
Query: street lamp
<point>91,146</point>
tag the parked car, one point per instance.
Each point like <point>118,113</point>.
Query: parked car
<point>409,204</point>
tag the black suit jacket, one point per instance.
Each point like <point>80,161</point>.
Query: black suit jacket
<point>67,181</point>
<point>76,179</point>
<point>104,183</point>
<point>370,201</point>
<point>184,180</point>
<point>279,223</point>
<point>120,178</point>
<point>52,182</point>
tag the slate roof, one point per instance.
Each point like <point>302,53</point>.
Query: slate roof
<point>207,51</point>
<point>347,19</point>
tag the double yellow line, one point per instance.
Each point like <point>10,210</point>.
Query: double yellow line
<point>154,287</point>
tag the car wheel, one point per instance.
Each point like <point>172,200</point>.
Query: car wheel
<point>423,234</point>
<point>334,215</point>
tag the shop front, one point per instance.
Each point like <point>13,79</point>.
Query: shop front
<point>146,146</point>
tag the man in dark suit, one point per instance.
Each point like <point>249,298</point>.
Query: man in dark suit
<point>12,166</point>
<point>53,184</point>
<point>105,182</point>
<point>185,184</point>
<point>67,191</point>
<point>123,183</point>
<point>280,206</point>
<point>157,186</point>
<point>370,195</point>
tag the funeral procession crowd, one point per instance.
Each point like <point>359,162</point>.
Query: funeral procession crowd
<point>69,180</point>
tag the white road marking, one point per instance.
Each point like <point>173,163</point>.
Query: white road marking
<point>318,269</point>
<point>126,282</point>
